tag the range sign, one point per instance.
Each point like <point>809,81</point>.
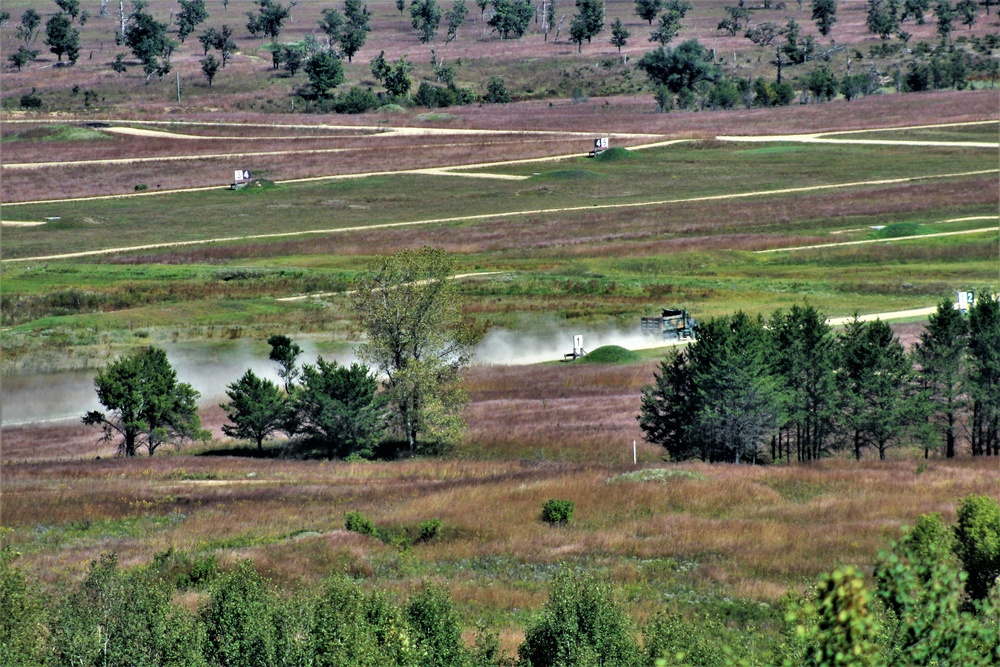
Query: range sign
<point>601,143</point>
<point>242,175</point>
<point>966,300</point>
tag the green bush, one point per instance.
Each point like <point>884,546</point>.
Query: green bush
<point>977,543</point>
<point>433,97</point>
<point>436,628</point>
<point>558,512</point>
<point>357,100</point>
<point>429,529</point>
<point>356,522</point>
<point>22,619</point>
<point>581,625</point>
<point>496,91</point>
<point>239,617</point>
<point>669,640</point>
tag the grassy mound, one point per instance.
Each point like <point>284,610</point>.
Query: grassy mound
<point>391,108</point>
<point>898,229</point>
<point>259,185</point>
<point>612,354</point>
<point>616,154</point>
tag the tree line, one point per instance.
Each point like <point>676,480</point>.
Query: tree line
<point>934,601</point>
<point>751,389</point>
<point>410,397</point>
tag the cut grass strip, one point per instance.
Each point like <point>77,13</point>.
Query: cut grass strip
<point>882,240</point>
<point>508,214</point>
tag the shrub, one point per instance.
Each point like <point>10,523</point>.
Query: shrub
<point>356,522</point>
<point>31,100</point>
<point>240,619</point>
<point>357,100</point>
<point>436,628</point>
<point>667,636</point>
<point>558,511</point>
<point>977,543</point>
<point>429,529</point>
<point>21,622</point>
<point>581,624</point>
<point>496,91</point>
<point>433,97</point>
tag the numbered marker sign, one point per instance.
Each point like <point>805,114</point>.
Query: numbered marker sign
<point>242,175</point>
<point>577,343</point>
<point>601,143</point>
<point>966,299</point>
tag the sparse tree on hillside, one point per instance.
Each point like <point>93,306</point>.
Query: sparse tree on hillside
<point>62,38</point>
<point>670,22</point>
<point>192,14</point>
<point>425,15</point>
<point>69,7</point>
<point>210,67</point>
<point>914,9</point>
<point>256,408</point>
<point>882,17</point>
<point>332,25</point>
<point>762,34</point>
<point>496,91</point>
<point>147,406</point>
<point>824,13</point>
<point>511,18</point>
<point>736,18</point>
<point>416,336</point>
<point>648,10</point>
<point>28,30</point>
<point>456,19</point>
<point>148,40</point>
<point>967,11</point>
<point>325,72</point>
<point>357,25</point>
<point>681,68</point>
<point>397,80</point>
<point>619,35</point>
<point>591,16</point>
<point>269,19</point>
<point>945,15</point>
<point>22,57</point>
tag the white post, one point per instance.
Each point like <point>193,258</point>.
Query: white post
<point>633,453</point>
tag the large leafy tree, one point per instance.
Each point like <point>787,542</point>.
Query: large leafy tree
<point>357,25</point>
<point>285,352</point>
<point>416,335</point>
<point>977,543</point>
<point>325,72</point>
<point>982,378</point>
<point>425,16</point>
<point>669,26</point>
<point>680,68</point>
<point>269,19</point>
<point>456,19</point>
<point>147,38</point>
<point>648,10</point>
<point>341,408</point>
<point>146,404</point>
<point>257,408</point>
<point>511,18</point>
<point>940,354</point>
<point>62,38</point>
<point>31,20</point>
<point>192,13</point>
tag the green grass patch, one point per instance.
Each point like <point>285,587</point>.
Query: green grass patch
<point>56,133</point>
<point>900,229</point>
<point>773,150</point>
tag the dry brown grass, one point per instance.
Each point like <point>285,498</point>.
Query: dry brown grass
<point>741,531</point>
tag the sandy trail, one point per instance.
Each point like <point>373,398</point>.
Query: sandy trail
<point>320,295</point>
<point>825,137</point>
<point>506,214</point>
<point>980,230</point>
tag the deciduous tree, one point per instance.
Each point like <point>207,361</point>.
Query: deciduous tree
<point>648,10</point>
<point>619,35</point>
<point>511,18</point>
<point>357,25</point>
<point>425,16</point>
<point>28,29</point>
<point>456,19</point>
<point>192,14</point>
<point>62,38</point>
<point>680,68</point>
<point>416,335</point>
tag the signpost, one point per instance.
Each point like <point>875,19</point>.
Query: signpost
<point>966,300</point>
<point>242,175</point>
